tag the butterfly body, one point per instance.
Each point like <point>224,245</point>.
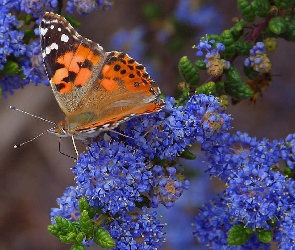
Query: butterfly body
<point>96,90</point>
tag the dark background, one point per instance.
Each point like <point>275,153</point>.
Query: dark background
<point>33,176</point>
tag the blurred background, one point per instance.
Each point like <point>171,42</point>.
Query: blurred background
<point>33,176</point>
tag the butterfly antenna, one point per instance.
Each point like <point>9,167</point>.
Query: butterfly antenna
<point>35,116</point>
<point>34,138</point>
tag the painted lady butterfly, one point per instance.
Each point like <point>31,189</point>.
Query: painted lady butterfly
<point>96,90</point>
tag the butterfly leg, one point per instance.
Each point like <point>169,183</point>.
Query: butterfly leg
<point>59,149</point>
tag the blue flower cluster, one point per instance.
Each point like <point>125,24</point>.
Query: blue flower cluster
<point>258,59</point>
<point>10,38</point>
<point>213,223</point>
<point>84,7</point>
<point>120,177</point>
<point>214,64</point>
<point>256,193</point>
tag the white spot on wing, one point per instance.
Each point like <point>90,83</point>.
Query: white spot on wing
<point>51,47</point>
<point>52,26</point>
<point>64,38</point>
<point>43,31</point>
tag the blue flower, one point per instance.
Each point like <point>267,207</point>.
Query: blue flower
<point>284,230</point>
<point>213,223</point>
<point>38,7</point>
<point>137,231</point>
<point>258,59</point>
<point>288,150</point>
<point>10,38</point>
<point>84,7</point>
<point>68,205</point>
<point>255,194</point>
<point>214,63</point>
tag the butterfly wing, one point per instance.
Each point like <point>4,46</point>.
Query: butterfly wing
<point>96,90</point>
<point>122,90</point>
<point>72,62</point>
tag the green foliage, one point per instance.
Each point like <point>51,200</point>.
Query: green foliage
<point>238,29</point>
<point>235,86</point>
<point>284,4</point>
<point>277,25</point>
<point>246,10</point>
<point>86,224</point>
<point>206,88</point>
<point>103,238</point>
<point>188,72</point>
<point>84,205</point>
<point>238,235</point>
<point>11,68</point>
<point>200,64</point>
<point>265,236</point>
<point>242,48</point>
<point>187,155</point>
<point>227,38</point>
<point>70,232</point>
<point>261,7</point>
<point>289,34</point>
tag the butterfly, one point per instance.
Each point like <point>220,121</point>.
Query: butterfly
<point>96,90</point>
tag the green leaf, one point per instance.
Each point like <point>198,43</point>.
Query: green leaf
<point>261,7</point>
<point>69,238</point>
<point>265,236</point>
<point>242,48</point>
<point>277,25</point>
<point>103,238</point>
<point>237,235</point>
<point>188,72</point>
<point>227,38</point>
<point>28,19</point>
<point>238,29</point>
<point>64,224</point>
<point>80,237</point>
<point>54,230</point>
<point>235,86</point>
<point>229,51</point>
<point>201,64</point>
<point>219,87</point>
<point>84,205</point>
<point>232,74</point>
<point>246,10</point>
<point>183,97</point>
<point>288,172</point>
<point>77,247</point>
<point>86,224</point>
<point>29,33</point>
<point>11,68</point>
<point>284,4</point>
<point>207,88</point>
<point>187,155</point>
<point>214,37</point>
